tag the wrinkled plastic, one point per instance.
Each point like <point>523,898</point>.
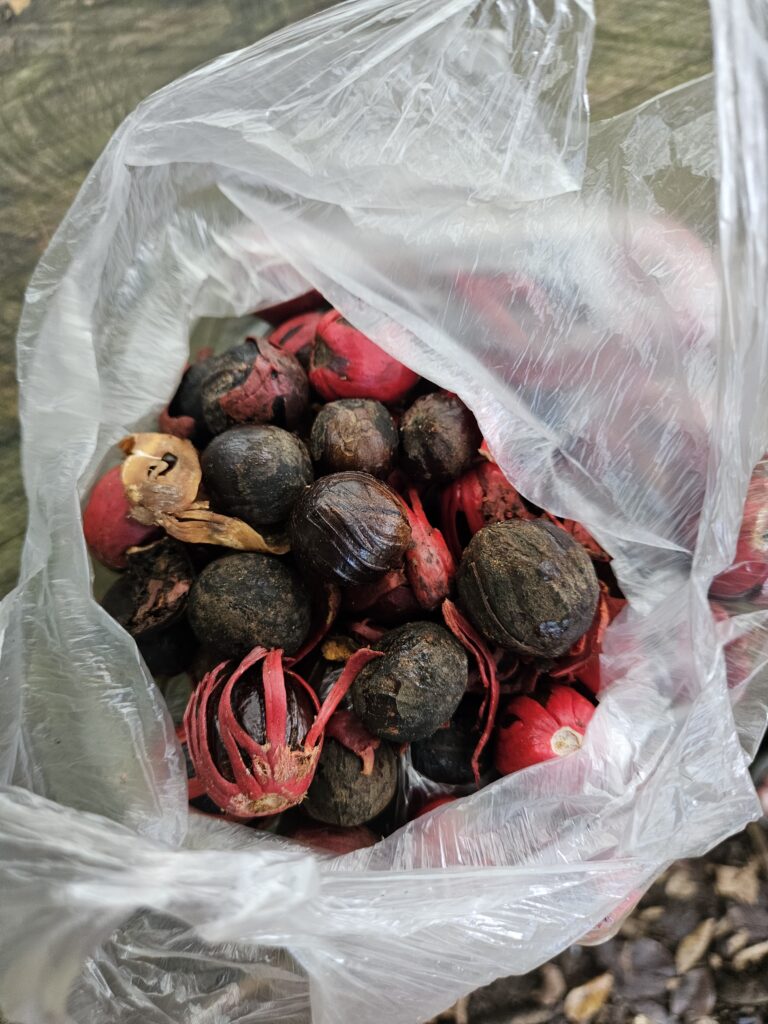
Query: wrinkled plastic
<point>596,296</point>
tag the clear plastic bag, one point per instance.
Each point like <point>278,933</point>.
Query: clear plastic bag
<point>595,295</point>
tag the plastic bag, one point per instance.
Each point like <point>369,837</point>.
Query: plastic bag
<point>596,296</point>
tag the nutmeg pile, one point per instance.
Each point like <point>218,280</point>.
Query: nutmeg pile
<point>371,620</point>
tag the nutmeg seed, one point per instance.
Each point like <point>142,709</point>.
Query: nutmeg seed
<point>528,586</point>
<point>349,528</point>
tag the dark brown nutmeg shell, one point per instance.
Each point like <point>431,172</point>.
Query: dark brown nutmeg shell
<point>254,383</point>
<point>446,755</point>
<point>354,434</point>
<point>349,528</point>
<point>170,652</point>
<point>440,438</point>
<point>528,586</point>
<point>152,593</point>
<point>415,687</point>
<point>256,473</point>
<point>342,793</point>
<point>249,600</point>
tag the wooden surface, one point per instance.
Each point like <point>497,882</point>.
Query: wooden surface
<point>70,70</point>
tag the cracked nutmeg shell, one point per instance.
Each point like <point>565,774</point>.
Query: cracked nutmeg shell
<point>152,593</point>
<point>415,687</point>
<point>528,586</point>
<point>349,528</point>
<point>249,600</point>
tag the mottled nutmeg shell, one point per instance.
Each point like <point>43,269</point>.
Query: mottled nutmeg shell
<point>349,528</point>
<point>440,437</point>
<point>415,687</point>
<point>256,473</point>
<point>254,382</point>
<point>354,434</point>
<point>528,586</point>
<point>341,794</point>
<point>152,593</point>
<point>249,600</point>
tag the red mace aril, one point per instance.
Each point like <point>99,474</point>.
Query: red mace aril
<point>254,382</point>
<point>482,496</point>
<point>750,566</point>
<point>347,364</point>
<point>476,646</point>
<point>108,525</point>
<point>297,336</point>
<point>582,661</point>
<point>282,311</point>
<point>530,731</point>
<point>255,737</point>
<point>429,565</point>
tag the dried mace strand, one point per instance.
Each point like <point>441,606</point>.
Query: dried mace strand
<point>342,793</point>
<point>152,593</point>
<point>349,528</point>
<point>415,687</point>
<point>528,586</point>
<point>249,600</point>
<point>109,526</point>
<point>247,734</point>
<point>256,473</point>
<point>347,364</point>
<point>439,437</point>
<point>354,433</point>
<point>254,383</point>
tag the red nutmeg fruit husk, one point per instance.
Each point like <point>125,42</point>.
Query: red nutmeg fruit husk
<point>108,526</point>
<point>750,566</point>
<point>347,364</point>
<point>482,496</point>
<point>429,565</point>
<point>254,736</point>
<point>297,336</point>
<point>282,311</point>
<point>531,731</point>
